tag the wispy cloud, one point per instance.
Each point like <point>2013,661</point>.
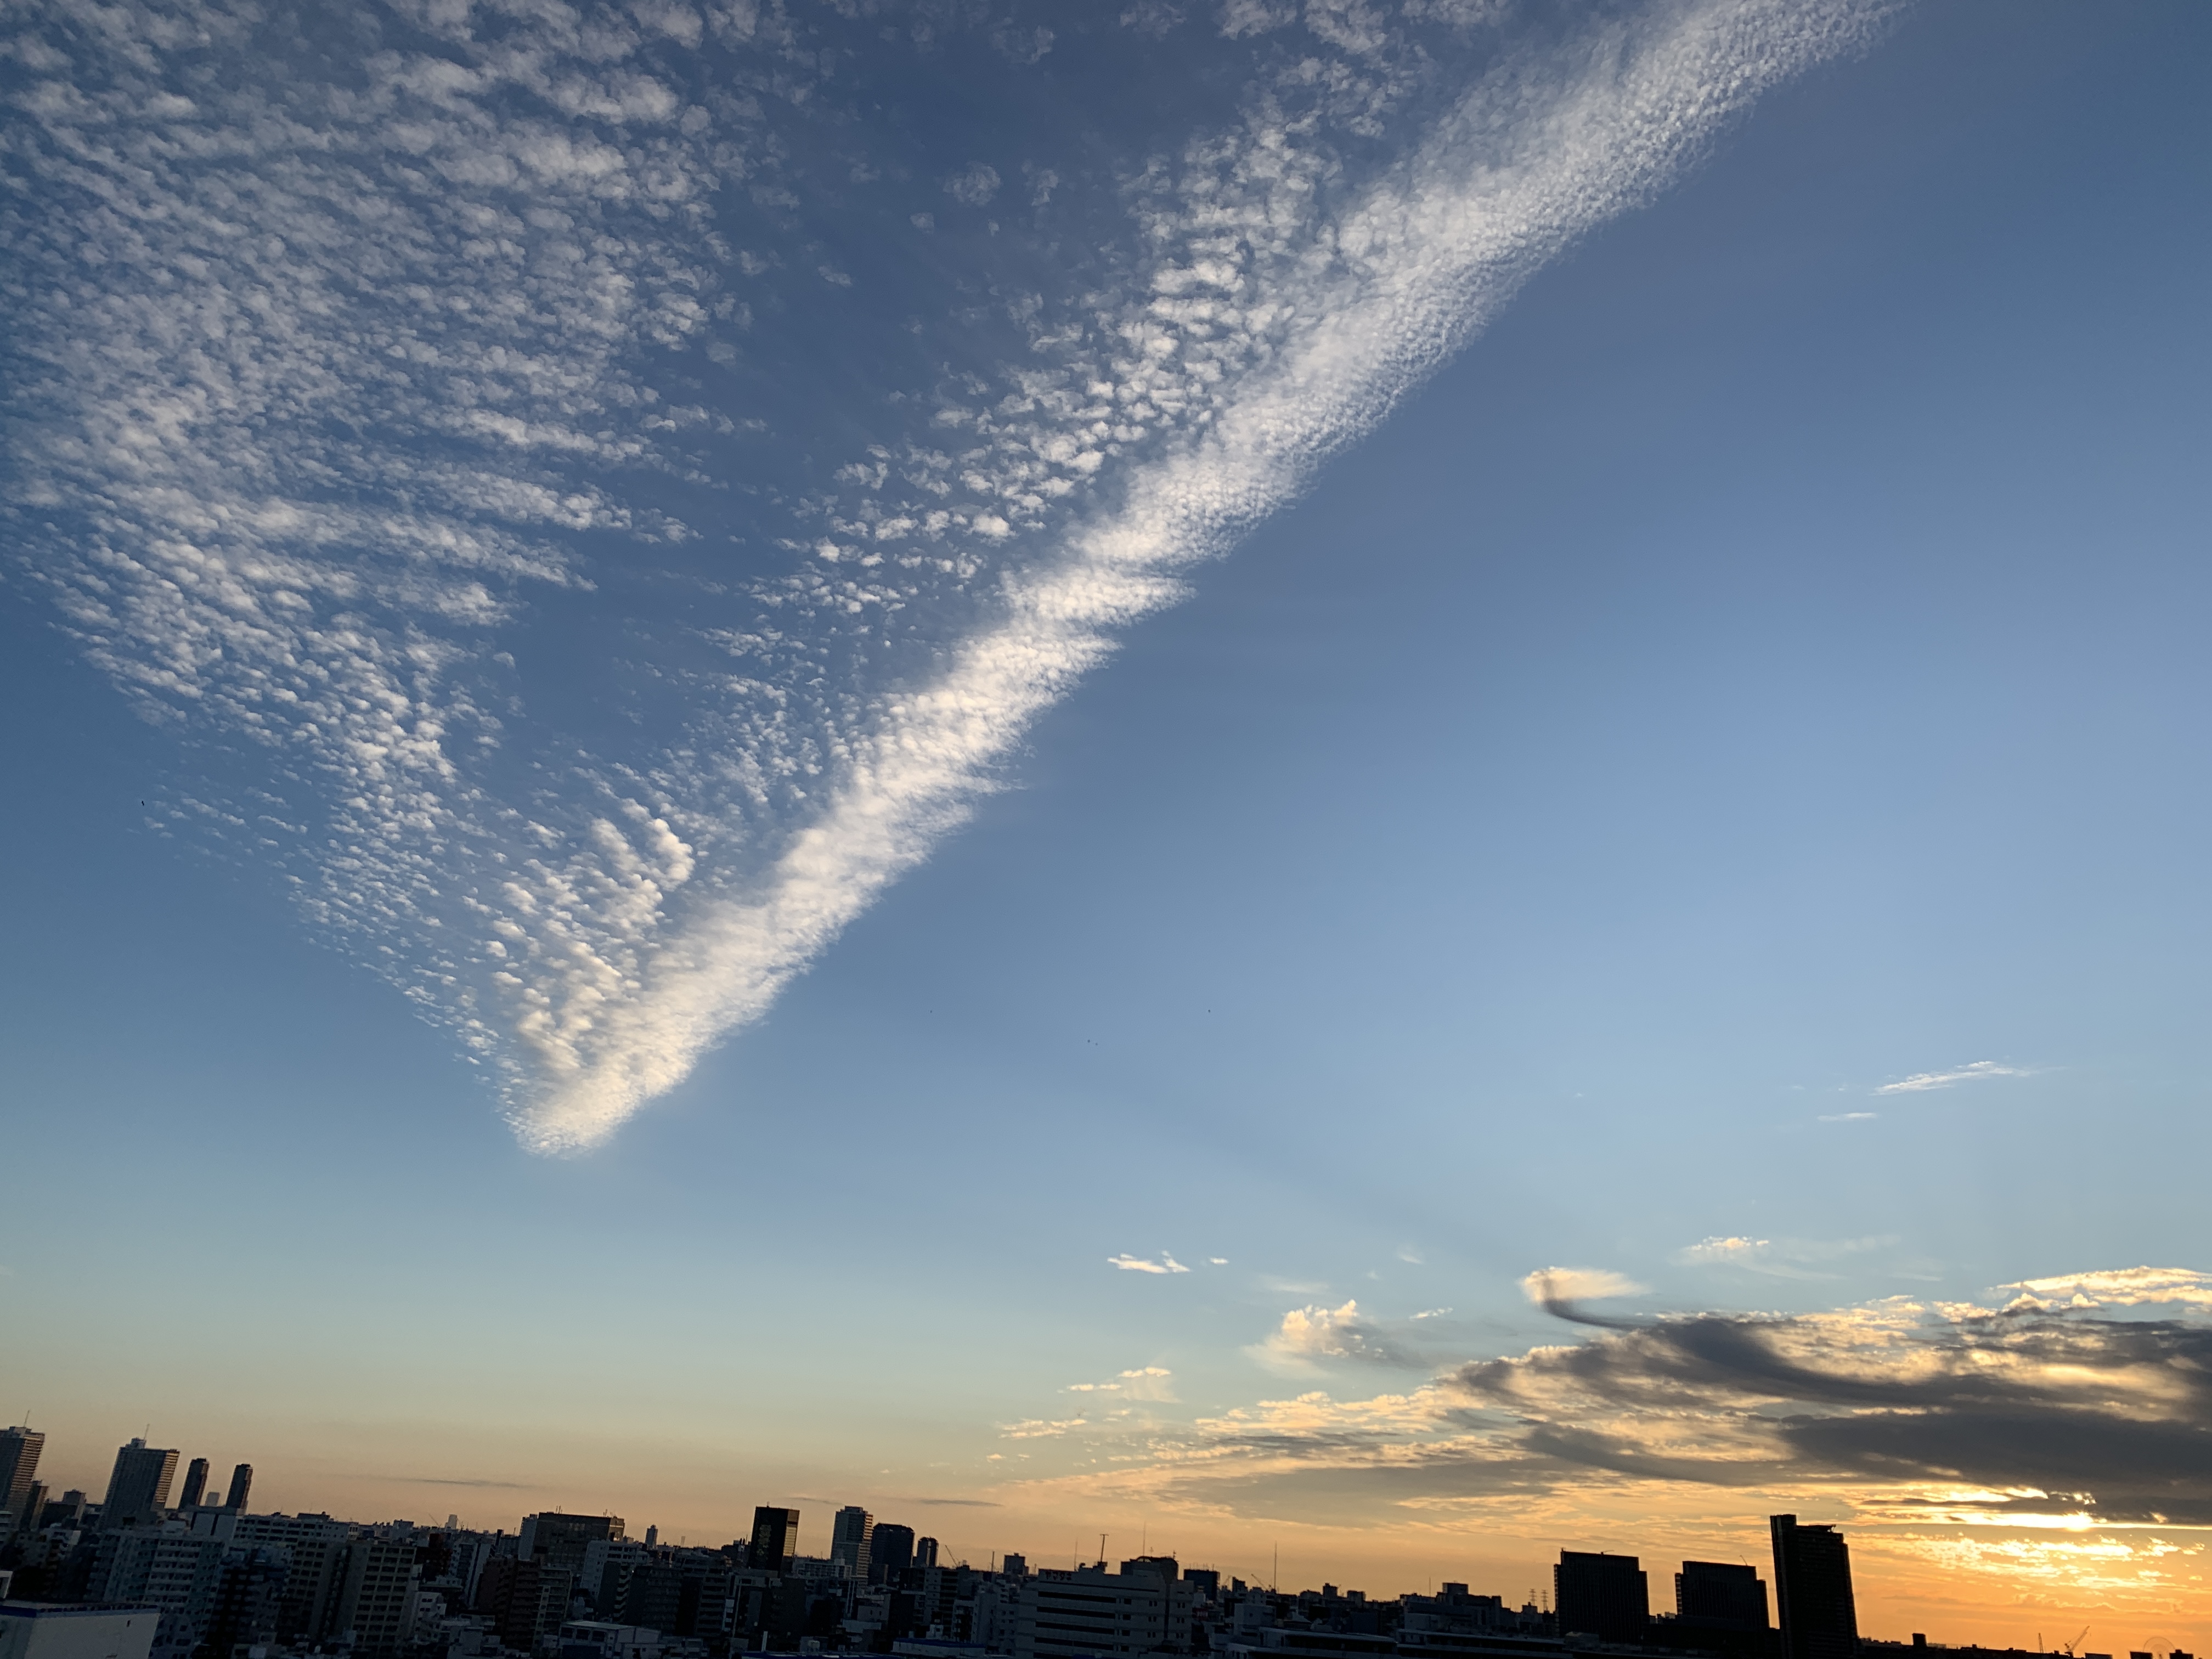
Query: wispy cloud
<point>1971,1074</point>
<point>1039,1428</point>
<point>292,476</point>
<point>1138,1264</point>
<point>1849,1117</point>
<point>1784,1258</point>
<point>1734,1249</point>
<point>1146,1383</point>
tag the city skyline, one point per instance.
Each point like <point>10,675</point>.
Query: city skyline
<point>1414,782</point>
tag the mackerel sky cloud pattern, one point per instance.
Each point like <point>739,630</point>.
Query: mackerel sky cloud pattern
<point>600,499</point>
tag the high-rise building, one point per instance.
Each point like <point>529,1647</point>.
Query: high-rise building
<point>559,1541</point>
<point>890,1551</point>
<point>1015,1566</point>
<point>179,1573</point>
<point>774,1540</point>
<point>1720,1593</point>
<point>525,1597</point>
<point>376,1605</point>
<point>138,1490</point>
<point>1812,1591</point>
<point>925,1552</point>
<point>1602,1595</point>
<point>19,1467</point>
<point>848,1539</point>
<point>242,1487</point>
<point>196,1475</point>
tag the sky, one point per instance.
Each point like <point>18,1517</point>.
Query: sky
<point>1386,785</point>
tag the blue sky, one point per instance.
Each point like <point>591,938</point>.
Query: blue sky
<point>1760,671</point>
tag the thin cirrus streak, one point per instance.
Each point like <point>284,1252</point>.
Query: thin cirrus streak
<point>326,391</point>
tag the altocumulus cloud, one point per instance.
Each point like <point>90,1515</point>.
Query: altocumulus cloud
<point>365,357</point>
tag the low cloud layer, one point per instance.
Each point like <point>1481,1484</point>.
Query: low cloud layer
<point>2075,1402</point>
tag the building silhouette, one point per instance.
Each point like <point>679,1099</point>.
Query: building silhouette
<point>1812,1591</point>
<point>196,1479</point>
<point>560,1541</point>
<point>242,1487</point>
<point>1607,1596</point>
<point>776,1537</point>
<point>1720,1593</point>
<point>19,1467</point>
<point>890,1551</point>
<point>138,1490</point>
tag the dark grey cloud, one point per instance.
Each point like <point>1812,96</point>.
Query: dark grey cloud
<point>2112,1415</point>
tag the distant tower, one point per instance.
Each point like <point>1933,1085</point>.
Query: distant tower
<point>775,1538</point>
<point>242,1487</point>
<point>890,1551</point>
<point>925,1552</point>
<point>1812,1591</point>
<point>138,1490</point>
<point>848,1539</point>
<point>196,1475</point>
<point>19,1467</point>
<point>1014,1565</point>
<point>1602,1595</point>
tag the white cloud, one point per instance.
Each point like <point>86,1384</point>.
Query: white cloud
<point>1734,1248</point>
<point>1316,1332</point>
<point>2125,1287</point>
<point>1137,1264</point>
<point>327,597</point>
<point>1147,1382</point>
<point>1922,1080</point>
<point>1547,1285</point>
<point>1219,1260</point>
<point>1037,1428</point>
<point>1849,1117</point>
<point>975,184</point>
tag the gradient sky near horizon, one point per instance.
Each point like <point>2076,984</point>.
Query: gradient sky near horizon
<point>994,759</point>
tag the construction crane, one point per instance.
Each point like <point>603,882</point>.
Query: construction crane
<point>2069,1648</point>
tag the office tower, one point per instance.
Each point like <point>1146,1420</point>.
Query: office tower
<point>560,1541</point>
<point>774,1540</point>
<point>196,1475</point>
<point>890,1551</point>
<point>1602,1595</point>
<point>138,1490</point>
<point>19,1466</point>
<point>1015,1566</point>
<point>242,1487</point>
<point>1812,1591</point>
<point>525,1597</point>
<point>246,1599</point>
<point>925,1552</point>
<point>376,1602</point>
<point>1720,1593</point>
<point>848,1539</point>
